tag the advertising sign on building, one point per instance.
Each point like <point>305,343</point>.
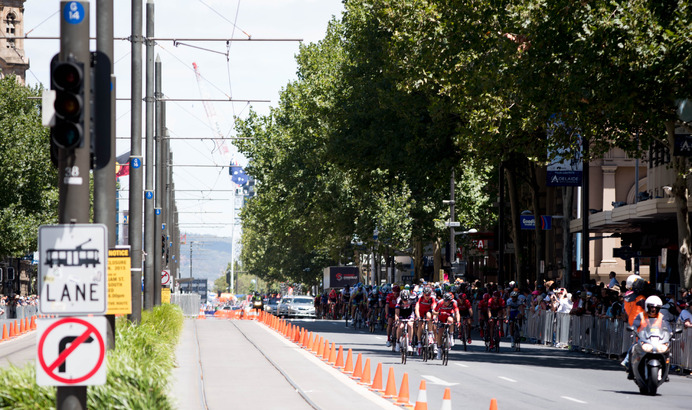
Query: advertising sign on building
<point>340,276</point>
<point>566,165</point>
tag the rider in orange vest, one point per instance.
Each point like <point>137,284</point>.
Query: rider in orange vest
<point>634,305</point>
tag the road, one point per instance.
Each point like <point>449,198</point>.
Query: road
<point>18,351</point>
<point>537,377</point>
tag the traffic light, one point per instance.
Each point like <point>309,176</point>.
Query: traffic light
<point>67,79</point>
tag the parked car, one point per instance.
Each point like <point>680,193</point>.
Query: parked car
<point>301,306</point>
<point>282,308</point>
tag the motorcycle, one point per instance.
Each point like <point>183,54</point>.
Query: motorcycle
<point>650,356</point>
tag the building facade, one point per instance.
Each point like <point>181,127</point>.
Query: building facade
<point>12,57</point>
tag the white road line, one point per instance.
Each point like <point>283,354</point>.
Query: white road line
<point>379,337</point>
<point>507,378</point>
<point>574,400</point>
<point>437,380</point>
<point>461,365</point>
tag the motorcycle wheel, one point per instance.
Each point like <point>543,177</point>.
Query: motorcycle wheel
<point>652,382</point>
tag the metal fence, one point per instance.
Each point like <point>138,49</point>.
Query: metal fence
<point>596,335</point>
<point>22,313</point>
<point>188,302</point>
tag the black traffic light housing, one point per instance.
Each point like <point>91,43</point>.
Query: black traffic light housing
<point>67,79</point>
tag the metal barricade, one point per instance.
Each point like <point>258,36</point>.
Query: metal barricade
<point>562,328</point>
<point>188,302</point>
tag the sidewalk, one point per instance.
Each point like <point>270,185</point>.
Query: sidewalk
<point>219,366</point>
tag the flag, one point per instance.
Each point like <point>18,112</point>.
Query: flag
<point>238,174</point>
<point>122,165</point>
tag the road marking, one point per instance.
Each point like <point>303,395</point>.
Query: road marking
<point>507,378</point>
<point>379,337</point>
<point>462,365</point>
<point>574,400</point>
<point>437,380</point>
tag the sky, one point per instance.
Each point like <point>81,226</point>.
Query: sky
<point>252,71</point>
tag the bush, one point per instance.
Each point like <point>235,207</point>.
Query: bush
<point>138,368</point>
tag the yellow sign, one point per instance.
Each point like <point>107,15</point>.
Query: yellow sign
<point>119,282</point>
<point>165,295</point>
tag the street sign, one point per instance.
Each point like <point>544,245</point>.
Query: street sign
<point>119,281</point>
<point>72,272</point>
<point>71,351</point>
<point>452,224</point>
<point>165,278</point>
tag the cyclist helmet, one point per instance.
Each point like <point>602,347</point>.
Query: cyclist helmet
<point>405,294</point>
<point>396,288</point>
<point>427,290</point>
<point>449,297</point>
<point>514,294</point>
<point>486,296</point>
<point>496,294</point>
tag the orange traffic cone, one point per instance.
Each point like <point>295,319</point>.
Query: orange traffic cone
<point>339,363</point>
<point>12,332</point>
<point>316,345</point>
<point>332,355</point>
<point>377,381</point>
<point>390,390</point>
<point>403,392</point>
<point>493,404</point>
<point>358,369</point>
<point>447,400</point>
<point>22,328</point>
<point>33,322</point>
<point>26,324</point>
<point>422,400</point>
<point>309,342</point>
<point>5,335</point>
<point>320,347</point>
<point>365,378</point>
<point>348,367</point>
<point>325,351</point>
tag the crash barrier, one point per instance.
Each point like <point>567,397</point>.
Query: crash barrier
<point>596,335</point>
<point>188,302</point>
<point>21,312</point>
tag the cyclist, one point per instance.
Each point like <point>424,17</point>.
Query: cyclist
<point>496,308</point>
<point>404,310</point>
<point>516,313</point>
<point>331,301</point>
<point>424,308</point>
<point>466,313</point>
<point>391,301</point>
<point>483,313</point>
<point>446,311</point>
<point>373,302</point>
<point>345,300</point>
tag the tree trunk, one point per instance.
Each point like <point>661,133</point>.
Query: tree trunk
<point>513,192</point>
<point>680,194</point>
<point>437,258</point>
<point>417,258</point>
<point>538,231</point>
<point>567,243</point>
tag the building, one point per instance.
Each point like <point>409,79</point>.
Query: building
<point>12,58</point>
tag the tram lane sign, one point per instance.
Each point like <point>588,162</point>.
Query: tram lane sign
<point>71,351</point>
<point>73,269</point>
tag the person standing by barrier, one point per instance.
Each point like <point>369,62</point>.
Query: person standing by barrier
<point>686,315</point>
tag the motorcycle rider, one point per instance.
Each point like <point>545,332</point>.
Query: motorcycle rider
<point>652,317</point>
<point>634,305</point>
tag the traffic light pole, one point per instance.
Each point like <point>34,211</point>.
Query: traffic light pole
<point>151,240</point>
<point>74,164</point>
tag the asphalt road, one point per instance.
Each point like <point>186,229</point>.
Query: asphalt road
<point>538,377</point>
<point>18,351</point>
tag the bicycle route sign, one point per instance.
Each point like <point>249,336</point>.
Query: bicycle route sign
<point>71,351</point>
<point>73,261</point>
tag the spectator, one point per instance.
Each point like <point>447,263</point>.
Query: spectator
<point>613,282</point>
<point>686,315</point>
<point>578,305</point>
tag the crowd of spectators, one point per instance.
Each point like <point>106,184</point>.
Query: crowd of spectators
<point>596,299</point>
<point>8,305</point>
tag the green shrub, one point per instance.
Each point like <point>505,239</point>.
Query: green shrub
<point>138,369</point>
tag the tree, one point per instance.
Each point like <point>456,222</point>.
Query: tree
<point>28,181</point>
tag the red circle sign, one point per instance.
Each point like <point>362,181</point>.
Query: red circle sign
<point>50,368</point>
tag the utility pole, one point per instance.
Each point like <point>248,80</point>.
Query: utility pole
<point>104,178</point>
<point>150,228</point>
<point>161,167</point>
<point>74,162</point>
<point>136,162</point>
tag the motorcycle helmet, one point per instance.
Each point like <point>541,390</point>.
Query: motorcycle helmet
<point>653,304</point>
<point>631,280</point>
<point>449,297</point>
<point>405,294</point>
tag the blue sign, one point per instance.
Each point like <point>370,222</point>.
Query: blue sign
<point>529,222</point>
<point>157,211</point>
<point>136,162</point>
<point>73,13</point>
<point>163,227</point>
<point>148,194</point>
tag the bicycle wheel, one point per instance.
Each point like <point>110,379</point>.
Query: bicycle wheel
<point>445,348</point>
<point>517,337</point>
<point>497,337</point>
<point>462,334</point>
<point>424,344</point>
<point>404,348</point>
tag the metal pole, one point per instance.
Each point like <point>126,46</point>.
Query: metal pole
<point>150,228</point>
<point>585,216</point>
<point>500,229</point>
<point>136,193</point>
<point>73,188</point>
<point>452,233</point>
<point>161,161</point>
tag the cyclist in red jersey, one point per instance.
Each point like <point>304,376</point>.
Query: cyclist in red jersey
<point>496,308</point>
<point>390,303</point>
<point>446,312</point>
<point>424,309</point>
<point>466,313</point>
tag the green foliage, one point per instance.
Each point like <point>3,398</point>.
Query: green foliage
<point>138,369</point>
<point>28,181</point>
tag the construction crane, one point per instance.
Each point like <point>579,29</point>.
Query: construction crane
<point>220,142</point>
